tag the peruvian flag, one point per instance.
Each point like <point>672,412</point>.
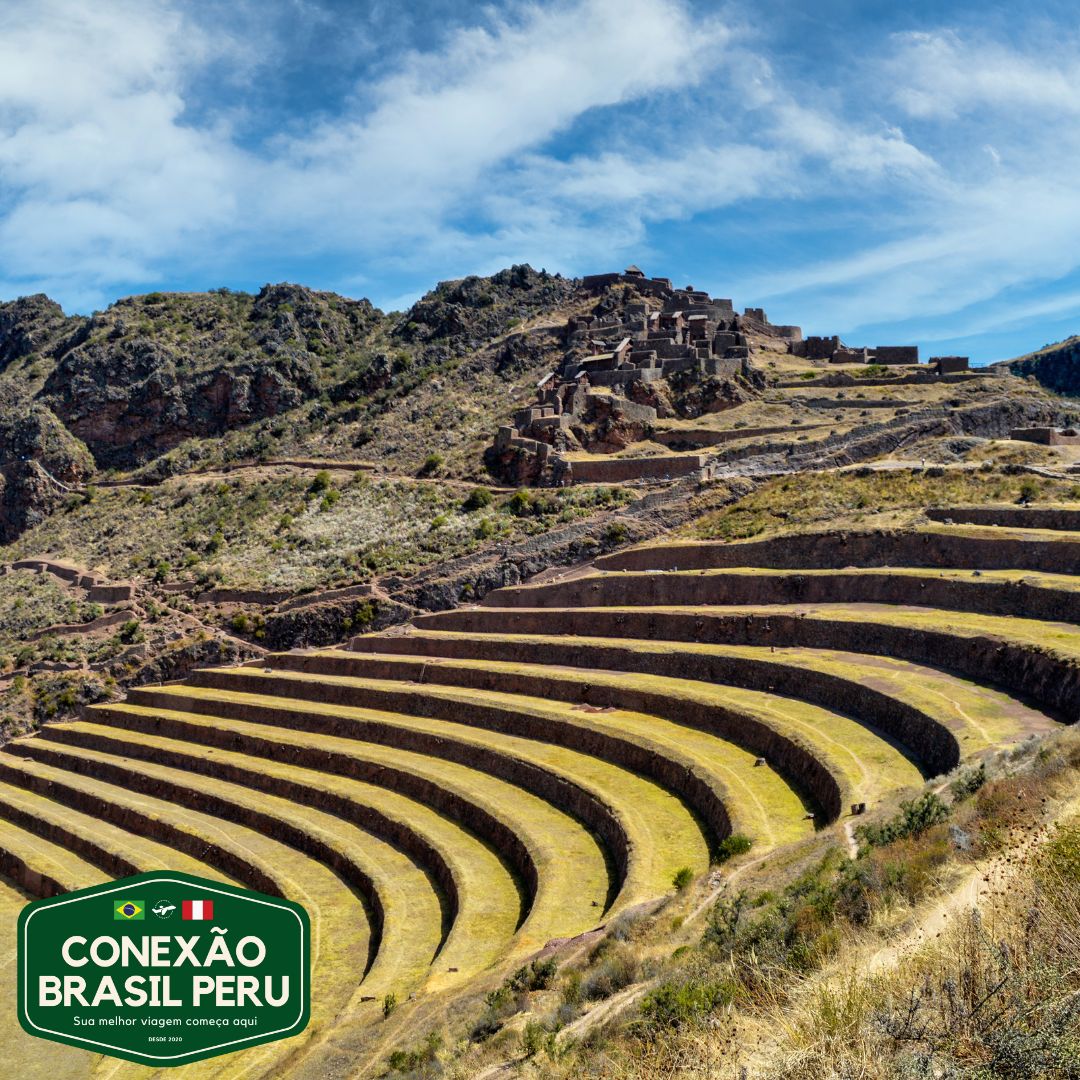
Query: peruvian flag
<point>198,909</point>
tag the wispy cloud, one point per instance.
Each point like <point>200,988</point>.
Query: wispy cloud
<point>149,141</point>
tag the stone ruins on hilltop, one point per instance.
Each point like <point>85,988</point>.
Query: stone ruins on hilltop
<point>640,331</point>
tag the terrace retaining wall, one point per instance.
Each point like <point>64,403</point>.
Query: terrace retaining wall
<point>834,551</point>
<point>1051,679</point>
<point>981,595</point>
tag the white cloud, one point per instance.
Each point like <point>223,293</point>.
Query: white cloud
<point>961,153</point>
<point>942,75</point>
<point>440,124</point>
<point>98,172</point>
<point>996,213</point>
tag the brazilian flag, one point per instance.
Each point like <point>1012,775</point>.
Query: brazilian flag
<point>129,910</point>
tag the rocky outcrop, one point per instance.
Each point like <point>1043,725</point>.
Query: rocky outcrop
<point>152,371</point>
<point>474,308</point>
<point>133,401</point>
<point>1057,367</point>
<point>39,461</point>
<point>31,326</point>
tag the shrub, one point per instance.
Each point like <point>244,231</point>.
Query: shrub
<point>618,969</point>
<point>520,503</point>
<point>730,846</point>
<point>968,782</point>
<point>131,632</point>
<point>389,1004</point>
<point>1061,857</point>
<point>674,1004</point>
<point>320,482</point>
<point>1029,490</point>
<point>477,499</point>
<point>432,464</point>
<point>615,533</point>
<point>539,975</point>
<point>407,1061</point>
<point>329,500</point>
<point>915,817</point>
<point>683,876</point>
<point>537,1037</point>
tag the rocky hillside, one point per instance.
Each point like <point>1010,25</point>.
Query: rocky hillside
<point>1057,367</point>
<point>167,381</point>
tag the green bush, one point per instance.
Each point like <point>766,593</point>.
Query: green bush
<point>539,975</point>
<point>535,1038</point>
<point>407,1061</point>
<point>477,499</point>
<point>915,817</point>
<point>1029,490</point>
<point>968,782</point>
<point>432,464</point>
<point>320,482</point>
<point>730,846</point>
<point>520,503</point>
<point>615,533</point>
<point>389,1004</point>
<point>618,969</point>
<point>674,1004</point>
<point>683,876</point>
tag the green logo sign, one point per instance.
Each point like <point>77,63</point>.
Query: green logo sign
<point>164,968</point>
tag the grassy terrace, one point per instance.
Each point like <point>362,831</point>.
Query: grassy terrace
<point>411,928</point>
<point>38,1060</point>
<point>859,498</point>
<point>652,742</point>
<point>1039,578</point>
<point>663,833</point>
<point>867,765</point>
<point>563,905</point>
<point>995,592</point>
<point>946,546</point>
<point>53,863</point>
<point>760,802</point>
<point>1061,638</point>
<point>340,938</point>
<point>115,851</point>
<point>980,716</point>
<point>489,901</point>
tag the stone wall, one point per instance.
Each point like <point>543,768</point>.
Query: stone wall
<point>980,595</point>
<point>1048,678</point>
<point>1011,517</point>
<point>466,812</point>
<point>1046,436</point>
<point>879,547</point>
<point>622,470</point>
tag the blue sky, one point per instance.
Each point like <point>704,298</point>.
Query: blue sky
<point>890,172</point>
